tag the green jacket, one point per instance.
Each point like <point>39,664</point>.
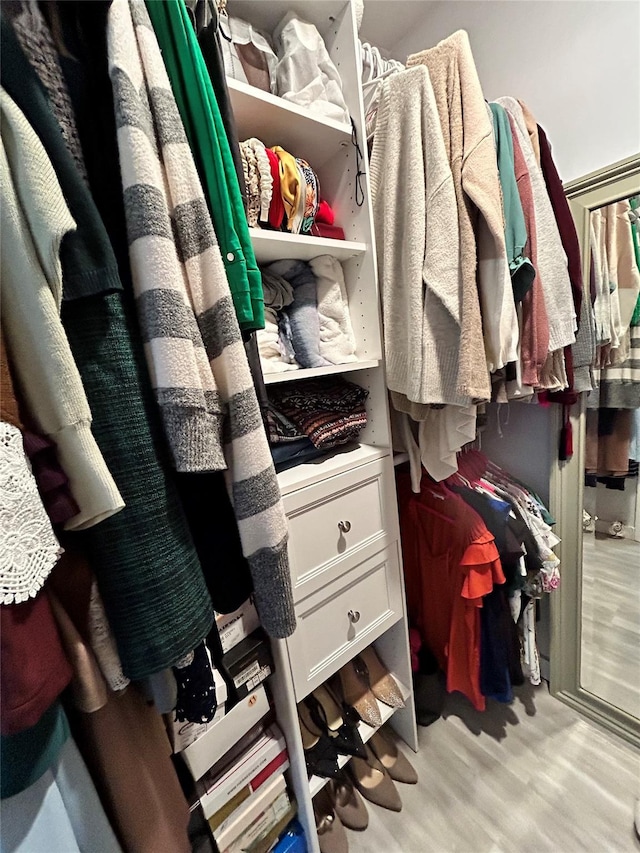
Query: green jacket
<point>205,130</point>
<point>515,232</point>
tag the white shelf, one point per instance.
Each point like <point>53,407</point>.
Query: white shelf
<point>341,460</point>
<point>317,783</point>
<point>311,372</point>
<point>275,245</point>
<point>278,122</point>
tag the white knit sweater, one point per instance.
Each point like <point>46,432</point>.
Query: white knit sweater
<point>416,222</point>
<point>35,218</point>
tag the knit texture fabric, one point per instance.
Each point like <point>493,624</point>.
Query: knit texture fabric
<point>468,138</point>
<point>35,218</point>
<point>419,266</point>
<point>185,308</point>
<point>328,412</point>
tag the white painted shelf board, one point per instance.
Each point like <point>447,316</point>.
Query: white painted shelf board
<point>278,122</point>
<point>345,460</point>
<point>317,783</point>
<point>311,372</point>
<point>275,245</point>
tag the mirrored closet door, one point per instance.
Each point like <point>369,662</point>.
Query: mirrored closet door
<point>596,655</point>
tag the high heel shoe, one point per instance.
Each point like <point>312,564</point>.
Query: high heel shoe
<point>395,762</point>
<point>356,692</point>
<point>320,755</point>
<point>383,685</point>
<point>348,804</point>
<point>331,835</point>
<point>340,725</point>
<point>374,783</point>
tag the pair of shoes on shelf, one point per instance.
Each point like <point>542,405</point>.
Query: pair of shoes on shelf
<point>329,729</point>
<point>374,776</point>
<point>340,803</point>
<point>336,806</point>
<point>365,681</point>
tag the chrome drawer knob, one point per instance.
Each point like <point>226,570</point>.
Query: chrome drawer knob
<point>344,526</point>
<point>354,616</point>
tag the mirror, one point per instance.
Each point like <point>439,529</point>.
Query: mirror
<point>610,613</point>
<point>595,655</point>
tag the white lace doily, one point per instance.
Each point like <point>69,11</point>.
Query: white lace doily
<point>28,546</point>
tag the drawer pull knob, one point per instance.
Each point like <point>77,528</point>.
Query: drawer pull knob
<point>344,526</point>
<point>354,616</point>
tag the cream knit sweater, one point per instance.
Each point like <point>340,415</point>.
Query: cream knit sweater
<point>34,219</point>
<point>468,137</point>
<point>416,223</point>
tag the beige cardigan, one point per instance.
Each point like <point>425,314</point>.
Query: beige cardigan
<point>468,137</point>
<point>34,219</point>
<point>416,223</point>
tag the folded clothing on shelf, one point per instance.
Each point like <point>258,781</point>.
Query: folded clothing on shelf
<point>337,341</point>
<point>305,74</point>
<point>303,311</point>
<point>328,411</point>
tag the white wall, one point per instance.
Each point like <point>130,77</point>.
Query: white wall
<point>576,63</point>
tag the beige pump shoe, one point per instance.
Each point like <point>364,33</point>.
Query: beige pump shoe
<point>348,804</point>
<point>374,783</point>
<point>332,837</point>
<point>357,693</point>
<point>395,762</point>
<point>383,685</point>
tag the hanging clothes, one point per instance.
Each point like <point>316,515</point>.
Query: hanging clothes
<point>205,131</point>
<point>152,631</point>
<point>468,134</point>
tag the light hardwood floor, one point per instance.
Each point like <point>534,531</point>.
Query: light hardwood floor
<point>533,777</point>
<point>610,666</point>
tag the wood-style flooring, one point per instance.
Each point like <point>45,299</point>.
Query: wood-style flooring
<point>532,777</point>
<point>610,646</point>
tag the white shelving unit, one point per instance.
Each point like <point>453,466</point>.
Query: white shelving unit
<point>351,582</point>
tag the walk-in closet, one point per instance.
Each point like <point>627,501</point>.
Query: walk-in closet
<point>320,414</point>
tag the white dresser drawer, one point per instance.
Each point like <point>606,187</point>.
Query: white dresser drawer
<point>341,619</point>
<point>331,521</point>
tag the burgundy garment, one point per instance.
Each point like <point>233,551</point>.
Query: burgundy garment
<point>34,669</point>
<point>276,208</point>
<point>564,219</point>
<point>571,246</point>
<point>51,480</point>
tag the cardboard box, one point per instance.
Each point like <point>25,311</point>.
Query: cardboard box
<point>250,828</point>
<point>183,734</point>
<point>203,753</point>
<point>252,769</point>
<point>244,814</point>
<point>234,627</point>
<point>248,663</point>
